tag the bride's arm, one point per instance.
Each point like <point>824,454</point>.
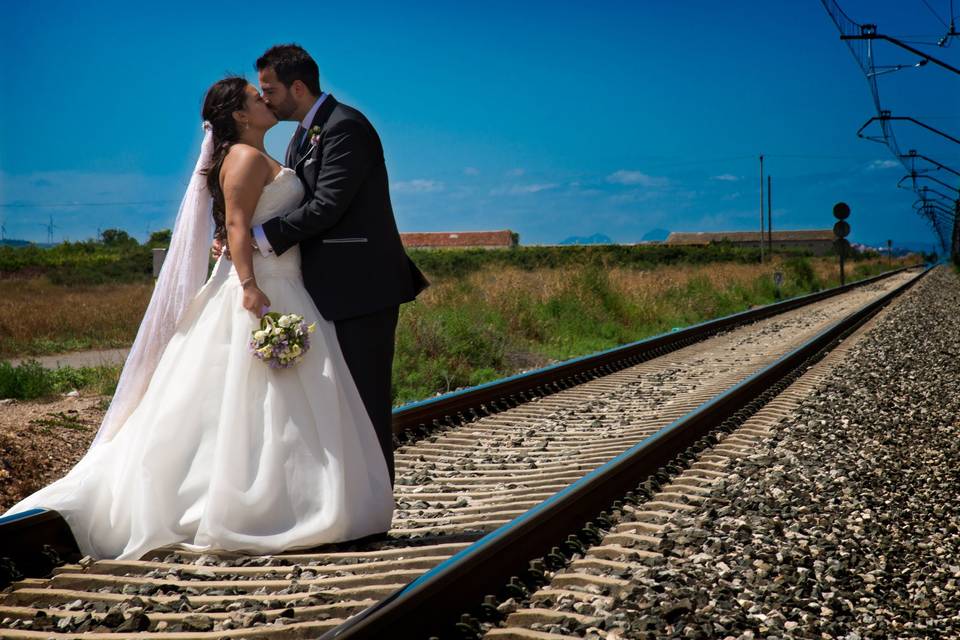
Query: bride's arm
<point>243,177</point>
<point>351,150</point>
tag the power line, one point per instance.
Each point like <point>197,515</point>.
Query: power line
<point>936,15</point>
<point>815,157</point>
<point>27,205</point>
<point>859,39</point>
<point>931,42</point>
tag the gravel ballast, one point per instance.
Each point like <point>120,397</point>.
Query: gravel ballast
<point>846,524</point>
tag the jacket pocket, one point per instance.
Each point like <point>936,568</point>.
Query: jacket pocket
<point>343,240</point>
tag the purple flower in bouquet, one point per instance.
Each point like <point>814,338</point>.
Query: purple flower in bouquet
<point>282,339</point>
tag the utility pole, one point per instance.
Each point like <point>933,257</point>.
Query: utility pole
<point>889,252</point>
<point>955,240</point>
<point>770,217</point>
<point>761,208</point>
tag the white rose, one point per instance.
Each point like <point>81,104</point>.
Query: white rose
<point>277,331</point>
<point>260,336</point>
<point>285,321</point>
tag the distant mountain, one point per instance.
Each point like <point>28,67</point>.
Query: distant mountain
<point>655,235</point>
<point>907,246</point>
<point>10,242</point>
<point>597,238</point>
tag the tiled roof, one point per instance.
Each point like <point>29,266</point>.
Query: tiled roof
<point>458,239</point>
<point>706,237</point>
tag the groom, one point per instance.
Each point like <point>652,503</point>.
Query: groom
<point>353,262</point>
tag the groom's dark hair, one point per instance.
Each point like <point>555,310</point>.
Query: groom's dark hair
<point>292,62</point>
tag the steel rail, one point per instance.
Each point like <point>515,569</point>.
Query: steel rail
<point>432,605</point>
<point>459,406</point>
<point>32,543</point>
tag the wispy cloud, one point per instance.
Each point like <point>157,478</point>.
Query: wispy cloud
<point>626,177</point>
<point>726,177</point>
<point>471,171</point>
<point>521,189</point>
<point>516,173</point>
<point>418,186</point>
<point>634,196</point>
<point>879,165</point>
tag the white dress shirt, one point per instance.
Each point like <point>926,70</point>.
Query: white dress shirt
<point>258,234</point>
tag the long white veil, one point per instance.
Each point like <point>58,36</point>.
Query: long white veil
<point>183,273</point>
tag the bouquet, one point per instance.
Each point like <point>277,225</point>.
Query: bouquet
<point>282,339</point>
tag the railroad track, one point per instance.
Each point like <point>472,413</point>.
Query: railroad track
<point>489,480</point>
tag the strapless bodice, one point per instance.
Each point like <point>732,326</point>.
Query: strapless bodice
<point>281,195</point>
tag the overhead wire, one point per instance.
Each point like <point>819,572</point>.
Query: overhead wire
<point>862,50</point>
<point>936,15</point>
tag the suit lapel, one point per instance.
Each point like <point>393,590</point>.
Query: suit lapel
<point>319,120</point>
<point>290,159</point>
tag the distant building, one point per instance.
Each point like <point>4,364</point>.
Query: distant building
<point>817,241</point>
<point>460,239</point>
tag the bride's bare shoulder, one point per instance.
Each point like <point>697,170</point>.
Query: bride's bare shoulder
<point>244,163</point>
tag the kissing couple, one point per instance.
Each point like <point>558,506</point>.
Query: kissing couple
<point>206,447</point>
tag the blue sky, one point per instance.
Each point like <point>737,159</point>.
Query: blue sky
<point>552,119</point>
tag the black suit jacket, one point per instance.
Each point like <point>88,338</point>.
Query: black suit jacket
<point>352,259</point>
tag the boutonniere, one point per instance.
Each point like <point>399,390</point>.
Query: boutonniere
<point>314,134</point>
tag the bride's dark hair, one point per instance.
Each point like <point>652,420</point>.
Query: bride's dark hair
<point>223,98</point>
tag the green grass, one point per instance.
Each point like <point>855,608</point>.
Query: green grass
<point>31,380</point>
<point>60,420</point>
<point>459,339</point>
<point>444,263</point>
<point>53,346</point>
<point>92,262</point>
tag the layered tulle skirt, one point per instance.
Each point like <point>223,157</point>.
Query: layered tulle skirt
<point>225,453</point>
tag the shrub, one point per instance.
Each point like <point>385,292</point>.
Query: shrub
<point>31,380</point>
<point>441,263</point>
<point>160,238</point>
<point>801,273</point>
<point>27,381</point>
<point>118,238</point>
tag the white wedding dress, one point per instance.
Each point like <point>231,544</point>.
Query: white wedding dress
<point>224,452</point>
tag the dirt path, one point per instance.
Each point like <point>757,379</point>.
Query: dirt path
<point>79,358</point>
<point>40,440</point>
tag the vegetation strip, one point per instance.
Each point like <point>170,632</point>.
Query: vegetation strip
<point>430,605</point>
<point>485,471</point>
<point>417,419</point>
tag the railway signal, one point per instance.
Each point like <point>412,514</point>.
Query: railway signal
<point>841,211</point>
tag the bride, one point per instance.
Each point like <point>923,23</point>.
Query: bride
<point>204,446</point>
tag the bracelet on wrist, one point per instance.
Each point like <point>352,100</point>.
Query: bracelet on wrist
<point>246,281</point>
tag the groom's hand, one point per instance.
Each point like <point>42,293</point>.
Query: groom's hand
<point>219,248</point>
